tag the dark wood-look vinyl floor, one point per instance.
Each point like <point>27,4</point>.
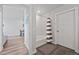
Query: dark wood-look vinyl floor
<point>52,49</point>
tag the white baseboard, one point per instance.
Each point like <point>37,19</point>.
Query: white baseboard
<point>29,53</point>
<point>4,41</point>
<point>1,49</point>
<point>14,37</point>
<point>40,42</point>
<point>34,51</point>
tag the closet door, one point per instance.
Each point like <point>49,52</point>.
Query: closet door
<point>65,29</point>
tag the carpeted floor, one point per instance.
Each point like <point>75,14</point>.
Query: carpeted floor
<point>52,49</point>
<point>14,47</point>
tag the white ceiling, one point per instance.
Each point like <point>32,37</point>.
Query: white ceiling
<point>44,8</point>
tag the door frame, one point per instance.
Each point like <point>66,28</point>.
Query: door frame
<point>75,26</point>
<point>1,31</point>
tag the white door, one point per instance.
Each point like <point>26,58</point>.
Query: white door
<point>65,29</point>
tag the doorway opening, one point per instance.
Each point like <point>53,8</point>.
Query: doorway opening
<point>13,30</point>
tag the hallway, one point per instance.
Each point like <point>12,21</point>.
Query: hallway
<point>14,47</point>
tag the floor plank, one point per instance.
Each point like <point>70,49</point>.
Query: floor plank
<point>52,49</point>
<point>14,47</point>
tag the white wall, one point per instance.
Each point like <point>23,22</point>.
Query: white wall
<point>40,30</point>
<point>40,27</point>
<point>26,28</point>
<point>1,29</point>
<point>41,21</point>
<point>30,29</point>
<point>62,8</point>
<point>12,18</point>
<point>52,13</point>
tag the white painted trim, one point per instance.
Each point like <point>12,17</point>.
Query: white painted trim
<point>49,40</point>
<point>1,30</point>
<point>48,28</point>
<point>76,27</point>
<point>48,20</point>
<point>65,11</point>
<point>28,49</point>
<point>59,13</point>
<point>13,37</point>
<point>49,36</point>
<point>76,30</point>
<point>1,49</point>
<point>34,51</point>
<point>4,41</point>
<point>49,32</point>
<point>40,42</point>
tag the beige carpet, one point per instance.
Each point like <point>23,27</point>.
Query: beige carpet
<point>14,47</point>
